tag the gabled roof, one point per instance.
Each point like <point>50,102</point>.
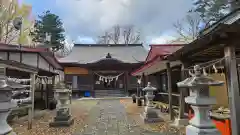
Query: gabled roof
<point>154,61</point>
<point>91,53</point>
<point>162,50</point>
<point>48,56</point>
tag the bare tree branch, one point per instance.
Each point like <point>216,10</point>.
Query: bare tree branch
<point>188,28</point>
<point>14,36</point>
<point>115,36</point>
<point>120,34</point>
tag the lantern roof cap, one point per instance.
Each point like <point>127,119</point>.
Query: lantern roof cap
<point>149,87</point>
<point>60,87</point>
<point>198,79</point>
<point>5,83</point>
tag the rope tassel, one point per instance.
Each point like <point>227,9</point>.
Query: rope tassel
<point>204,72</point>
<point>215,69</point>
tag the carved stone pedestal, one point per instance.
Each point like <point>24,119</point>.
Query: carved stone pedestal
<point>63,116</point>
<point>180,122</point>
<point>150,114</point>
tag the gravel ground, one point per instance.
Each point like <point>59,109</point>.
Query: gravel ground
<point>134,112</point>
<point>79,110</point>
<point>83,110</point>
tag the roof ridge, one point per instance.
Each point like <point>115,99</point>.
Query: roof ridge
<point>166,44</point>
<point>107,45</point>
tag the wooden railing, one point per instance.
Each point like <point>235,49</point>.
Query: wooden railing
<point>165,93</point>
<point>83,87</point>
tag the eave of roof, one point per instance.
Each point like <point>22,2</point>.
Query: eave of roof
<point>156,65</point>
<point>162,50</point>
<point>157,54</point>
<point>42,51</point>
<point>20,66</point>
<point>105,45</point>
<point>146,65</point>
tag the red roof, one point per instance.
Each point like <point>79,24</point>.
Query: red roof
<point>157,53</point>
<point>162,50</point>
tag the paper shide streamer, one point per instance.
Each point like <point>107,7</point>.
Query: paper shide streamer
<point>108,78</point>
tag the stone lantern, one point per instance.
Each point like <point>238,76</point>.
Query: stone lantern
<point>150,114</point>
<point>6,88</point>
<point>63,116</point>
<point>201,102</point>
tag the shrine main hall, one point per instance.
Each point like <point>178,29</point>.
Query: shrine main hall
<point>100,70</point>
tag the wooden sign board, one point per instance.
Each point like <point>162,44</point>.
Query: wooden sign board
<point>76,70</point>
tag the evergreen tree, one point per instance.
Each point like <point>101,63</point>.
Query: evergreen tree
<point>49,23</point>
<point>211,10</point>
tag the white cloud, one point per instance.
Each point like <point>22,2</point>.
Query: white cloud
<point>162,39</point>
<point>86,40</point>
<point>88,18</point>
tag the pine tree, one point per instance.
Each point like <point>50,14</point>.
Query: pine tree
<point>211,10</point>
<point>49,23</point>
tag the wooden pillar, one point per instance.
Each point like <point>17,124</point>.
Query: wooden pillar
<point>31,110</point>
<point>53,84</point>
<point>183,94</point>
<point>169,89</point>
<point>126,82</point>
<point>47,90</point>
<point>144,84</point>
<point>93,83</point>
<point>233,88</point>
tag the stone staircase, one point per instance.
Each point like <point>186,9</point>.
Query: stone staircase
<point>109,93</point>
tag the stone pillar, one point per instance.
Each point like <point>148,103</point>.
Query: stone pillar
<point>6,105</point>
<point>150,113</point>
<point>63,116</point>
<point>201,102</point>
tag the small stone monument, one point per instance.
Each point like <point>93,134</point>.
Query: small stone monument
<point>200,102</point>
<point>6,88</point>
<point>63,116</point>
<point>150,114</point>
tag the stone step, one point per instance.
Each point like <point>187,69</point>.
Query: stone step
<point>109,93</point>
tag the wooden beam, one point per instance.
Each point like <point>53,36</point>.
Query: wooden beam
<point>31,115</point>
<point>232,78</point>
<point>169,76</point>
<point>8,56</point>
<point>37,60</point>
<point>21,57</point>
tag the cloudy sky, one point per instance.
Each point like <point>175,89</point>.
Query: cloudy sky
<point>84,20</point>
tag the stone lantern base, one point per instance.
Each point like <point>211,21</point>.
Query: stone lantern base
<point>151,115</point>
<point>61,122</point>
<point>191,130</point>
<point>62,119</point>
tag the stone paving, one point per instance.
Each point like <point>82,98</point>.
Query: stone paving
<point>109,117</point>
